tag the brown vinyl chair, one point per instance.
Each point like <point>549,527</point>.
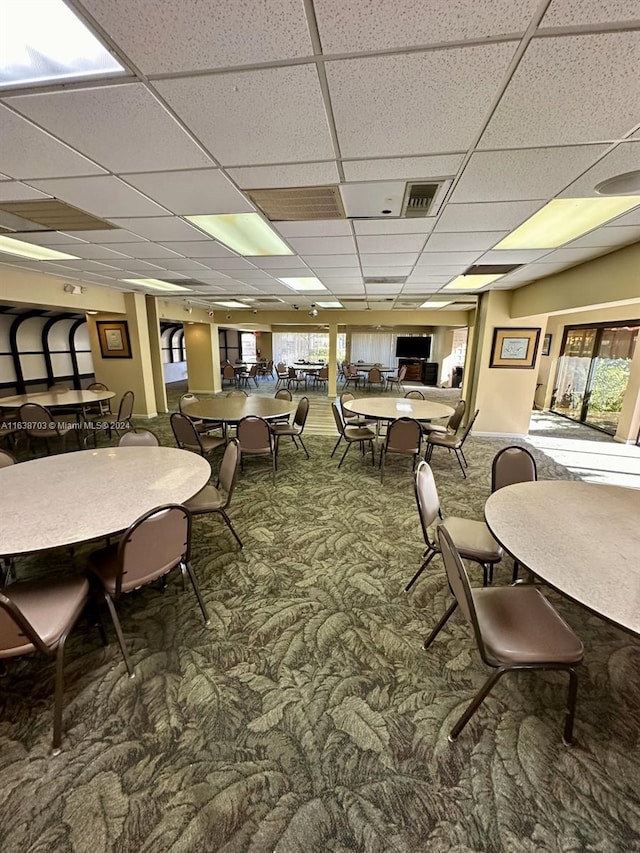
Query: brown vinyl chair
<point>39,617</point>
<point>138,438</point>
<point>515,629</point>
<point>352,434</point>
<point>295,429</point>
<point>199,424</point>
<point>188,438</point>
<point>102,407</point>
<point>297,379</point>
<point>282,374</point>
<point>282,394</point>
<point>350,418</point>
<point>452,441</point>
<point>246,375</point>
<point>113,423</point>
<point>351,375</point>
<point>375,377</point>
<point>41,425</point>
<point>396,381</point>
<point>321,377</point>
<point>217,498</point>
<point>255,439</point>
<point>414,395</point>
<point>156,543</point>
<point>404,436</point>
<point>512,465</point>
<point>452,425</point>
<point>472,538</point>
<point>229,374</point>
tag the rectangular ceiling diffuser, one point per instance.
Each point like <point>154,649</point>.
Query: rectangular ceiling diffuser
<point>298,203</point>
<point>55,215</point>
<point>418,200</point>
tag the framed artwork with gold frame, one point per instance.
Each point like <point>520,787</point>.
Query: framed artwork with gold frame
<point>513,347</point>
<point>114,338</point>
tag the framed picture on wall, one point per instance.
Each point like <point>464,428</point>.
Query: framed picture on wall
<point>114,338</point>
<point>514,348</point>
<point>546,344</point>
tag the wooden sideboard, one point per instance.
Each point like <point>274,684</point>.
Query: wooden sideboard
<point>420,370</point>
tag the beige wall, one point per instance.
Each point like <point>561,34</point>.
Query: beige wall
<point>203,357</point>
<point>39,290</point>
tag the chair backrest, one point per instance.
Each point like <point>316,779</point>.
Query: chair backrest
<point>402,372</point>
<point>292,373</point>
<point>512,465</point>
<point>152,545</point>
<point>283,394</point>
<point>337,416</point>
<point>6,459</point>
<point>125,409</point>
<point>300,417</point>
<point>403,436</point>
<point>456,418</point>
<point>228,372</point>
<point>467,429</point>
<point>323,373</point>
<point>346,415</point>
<point>138,438</point>
<point>185,433</point>
<point>253,371</point>
<point>228,473</point>
<point>459,583</point>
<point>374,375</point>
<point>281,367</point>
<point>237,393</point>
<point>97,386</point>
<point>40,420</point>
<point>427,498</point>
<point>254,435</point>
<point>415,395</point>
<point>186,400</point>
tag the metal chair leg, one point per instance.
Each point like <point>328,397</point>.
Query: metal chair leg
<point>119,634</point>
<point>230,526</point>
<point>59,695</point>
<point>442,621</point>
<point>336,446</point>
<point>464,473</point>
<point>476,702</point>
<point>196,589</point>
<point>567,736</point>
<point>345,453</point>
<point>421,569</point>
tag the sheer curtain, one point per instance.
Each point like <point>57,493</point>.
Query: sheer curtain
<point>289,347</point>
<point>372,347</point>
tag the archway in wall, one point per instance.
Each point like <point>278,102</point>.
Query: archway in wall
<point>174,362</point>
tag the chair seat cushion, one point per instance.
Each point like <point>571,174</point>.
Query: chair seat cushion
<point>518,625</point>
<point>432,429</point>
<point>211,442</point>
<point>104,564</point>
<point>50,607</point>
<point>473,539</point>
<point>282,428</point>
<point>356,433</point>
<point>208,499</point>
<point>444,439</point>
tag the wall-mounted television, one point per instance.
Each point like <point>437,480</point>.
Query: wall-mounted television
<point>413,347</point>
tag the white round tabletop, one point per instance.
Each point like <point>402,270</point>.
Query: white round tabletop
<point>51,399</point>
<point>233,409</point>
<point>583,539</point>
<point>89,494</point>
<point>390,408</point>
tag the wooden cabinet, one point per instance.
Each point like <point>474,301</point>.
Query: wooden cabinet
<point>419,370</point>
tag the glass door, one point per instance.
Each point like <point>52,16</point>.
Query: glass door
<point>573,372</point>
<point>609,377</point>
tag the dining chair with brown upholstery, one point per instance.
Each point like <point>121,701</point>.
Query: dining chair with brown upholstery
<point>101,407</point>
<point>351,376</point>
<point>282,374</point>
<point>352,434</point>
<point>188,438</point>
<point>295,429</point>
<point>453,441</point>
<point>36,616</point>
<point>511,465</point>
<point>515,629</point>
<point>255,439</point>
<point>138,438</point>
<point>296,378</point>
<point>6,459</point>
<point>414,395</point>
<point>41,425</point>
<point>321,378</point>
<point>246,375</point>
<point>404,437</point>
<point>156,543</point>
<point>229,374</point>
<point>199,424</point>
<point>452,425</point>
<point>375,377</point>
<point>351,418</point>
<point>114,423</point>
<point>396,381</point>
<point>217,498</point>
<point>472,538</point>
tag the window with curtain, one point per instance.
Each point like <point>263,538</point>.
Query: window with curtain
<point>372,347</point>
<point>289,347</point>
<point>248,346</point>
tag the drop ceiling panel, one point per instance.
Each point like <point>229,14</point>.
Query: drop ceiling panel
<point>522,174</point>
<point>446,259</point>
<point>161,228</point>
<point>234,114</point>
<point>341,274</point>
<point>115,235</point>
<point>515,256</point>
<point>346,289</point>
<point>114,125</point>
<point>328,261</point>
<point>314,228</point>
<point>232,263</point>
<point>383,289</point>
<point>192,192</point>
<point>400,259</point>
<point>464,241</point>
<point>163,36</point>
<point>84,265</point>
<point>103,196</point>
<point>16,191</point>
<point>599,98</point>
<point>135,265</point>
<point>28,152</point>
<point>179,264</point>
<point>505,215</point>
<point>387,95</point>
<point>624,158</point>
<point>279,262</point>
<point>391,244</point>
<point>95,253</point>
<point>419,225</point>
<point>576,255</point>
<point>50,238</point>
<point>362,25</point>
<point>297,175</point>
<point>620,236</point>
<point>323,245</point>
<point>631,218</point>
<point>408,168</point>
<point>143,250</point>
<point>199,249</point>
<point>568,13</point>
<point>384,271</point>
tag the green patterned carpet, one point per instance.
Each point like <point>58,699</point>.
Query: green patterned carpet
<point>308,717</point>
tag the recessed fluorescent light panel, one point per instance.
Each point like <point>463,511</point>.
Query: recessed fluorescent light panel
<point>231,304</point>
<point>31,250</point>
<point>303,283</point>
<point>435,304</point>
<point>471,282</point>
<point>44,42</point>
<point>154,283</point>
<point>246,233</point>
<point>565,219</point>
<point>329,304</point>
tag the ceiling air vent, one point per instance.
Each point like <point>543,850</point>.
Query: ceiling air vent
<point>55,215</point>
<point>491,269</point>
<point>298,203</point>
<point>418,200</point>
<point>389,279</point>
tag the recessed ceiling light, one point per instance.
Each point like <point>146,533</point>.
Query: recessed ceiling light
<point>154,283</point>
<point>44,42</point>
<point>329,304</point>
<point>625,184</point>
<point>31,250</point>
<point>435,304</point>
<point>565,219</point>
<point>471,282</point>
<point>246,233</point>
<point>231,304</point>
<point>303,283</point>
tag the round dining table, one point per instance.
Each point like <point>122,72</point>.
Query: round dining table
<point>230,410</point>
<point>390,408</point>
<point>69,498</point>
<point>582,539</point>
<point>54,399</point>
